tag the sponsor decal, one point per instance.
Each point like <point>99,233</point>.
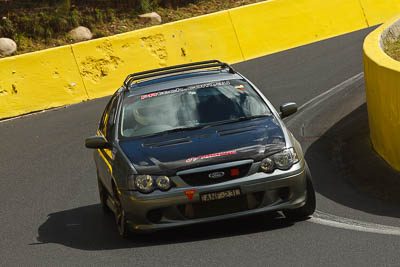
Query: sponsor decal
<point>240,87</point>
<point>220,154</point>
<point>190,194</point>
<point>148,95</point>
<point>184,89</point>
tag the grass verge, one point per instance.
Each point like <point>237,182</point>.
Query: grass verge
<point>392,47</point>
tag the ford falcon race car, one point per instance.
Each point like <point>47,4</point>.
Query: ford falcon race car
<point>196,143</point>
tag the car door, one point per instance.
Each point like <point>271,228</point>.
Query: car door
<point>104,157</point>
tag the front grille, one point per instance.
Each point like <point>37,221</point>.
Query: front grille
<point>202,178</point>
<point>221,207</point>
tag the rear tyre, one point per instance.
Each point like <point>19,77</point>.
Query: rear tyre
<point>120,218</point>
<point>103,194</point>
<point>308,209</point>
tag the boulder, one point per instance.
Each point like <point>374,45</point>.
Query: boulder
<point>7,46</point>
<point>153,17</point>
<point>81,34</point>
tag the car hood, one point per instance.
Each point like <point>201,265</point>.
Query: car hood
<point>166,154</point>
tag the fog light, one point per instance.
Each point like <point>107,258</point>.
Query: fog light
<point>284,193</point>
<point>154,216</point>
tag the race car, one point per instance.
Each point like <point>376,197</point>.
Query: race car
<point>196,143</point>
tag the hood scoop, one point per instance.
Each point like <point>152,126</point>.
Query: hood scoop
<point>167,143</point>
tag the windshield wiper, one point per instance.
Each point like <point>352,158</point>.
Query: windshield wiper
<point>175,130</point>
<point>239,119</point>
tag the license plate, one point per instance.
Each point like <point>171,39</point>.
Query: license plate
<point>220,195</point>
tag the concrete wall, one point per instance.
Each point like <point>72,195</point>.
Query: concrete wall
<point>104,63</point>
<point>274,26</point>
<point>39,81</point>
<point>88,70</point>
<point>382,76</point>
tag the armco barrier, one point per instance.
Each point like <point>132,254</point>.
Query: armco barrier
<point>88,70</point>
<point>382,77</point>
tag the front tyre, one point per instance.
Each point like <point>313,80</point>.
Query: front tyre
<point>308,209</point>
<point>103,194</point>
<point>120,218</point>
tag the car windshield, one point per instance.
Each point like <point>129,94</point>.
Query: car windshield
<point>185,108</point>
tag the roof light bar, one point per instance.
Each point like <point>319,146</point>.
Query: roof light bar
<point>174,69</point>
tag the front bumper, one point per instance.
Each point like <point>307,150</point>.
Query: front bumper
<point>260,192</point>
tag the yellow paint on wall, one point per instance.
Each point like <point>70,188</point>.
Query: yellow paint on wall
<point>38,81</point>
<point>382,81</point>
<point>207,37</point>
<point>276,25</point>
<point>105,63</point>
<point>378,11</point>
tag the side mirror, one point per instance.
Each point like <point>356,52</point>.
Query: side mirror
<point>288,109</point>
<point>96,142</point>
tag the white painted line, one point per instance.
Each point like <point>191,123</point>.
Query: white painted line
<point>325,95</point>
<point>354,225</point>
<point>340,87</point>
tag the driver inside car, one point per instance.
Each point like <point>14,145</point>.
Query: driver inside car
<point>145,118</point>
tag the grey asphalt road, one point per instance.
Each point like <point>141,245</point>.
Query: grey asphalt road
<point>49,207</point>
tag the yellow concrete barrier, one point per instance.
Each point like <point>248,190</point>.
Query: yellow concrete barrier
<point>105,63</point>
<point>38,81</point>
<point>378,11</point>
<point>273,26</point>
<point>382,77</point>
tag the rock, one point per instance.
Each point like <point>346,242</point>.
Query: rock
<point>153,17</point>
<point>81,34</point>
<point>7,46</point>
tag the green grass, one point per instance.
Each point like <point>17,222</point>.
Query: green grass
<point>392,48</point>
<point>42,25</point>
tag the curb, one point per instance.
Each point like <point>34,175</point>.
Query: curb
<point>382,78</point>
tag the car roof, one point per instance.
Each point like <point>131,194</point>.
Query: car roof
<point>180,80</point>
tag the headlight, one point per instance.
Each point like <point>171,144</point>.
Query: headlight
<point>283,160</point>
<point>267,165</point>
<point>144,183</point>
<point>148,183</point>
<point>163,183</point>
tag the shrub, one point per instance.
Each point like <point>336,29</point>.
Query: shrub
<point>7,28</point>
